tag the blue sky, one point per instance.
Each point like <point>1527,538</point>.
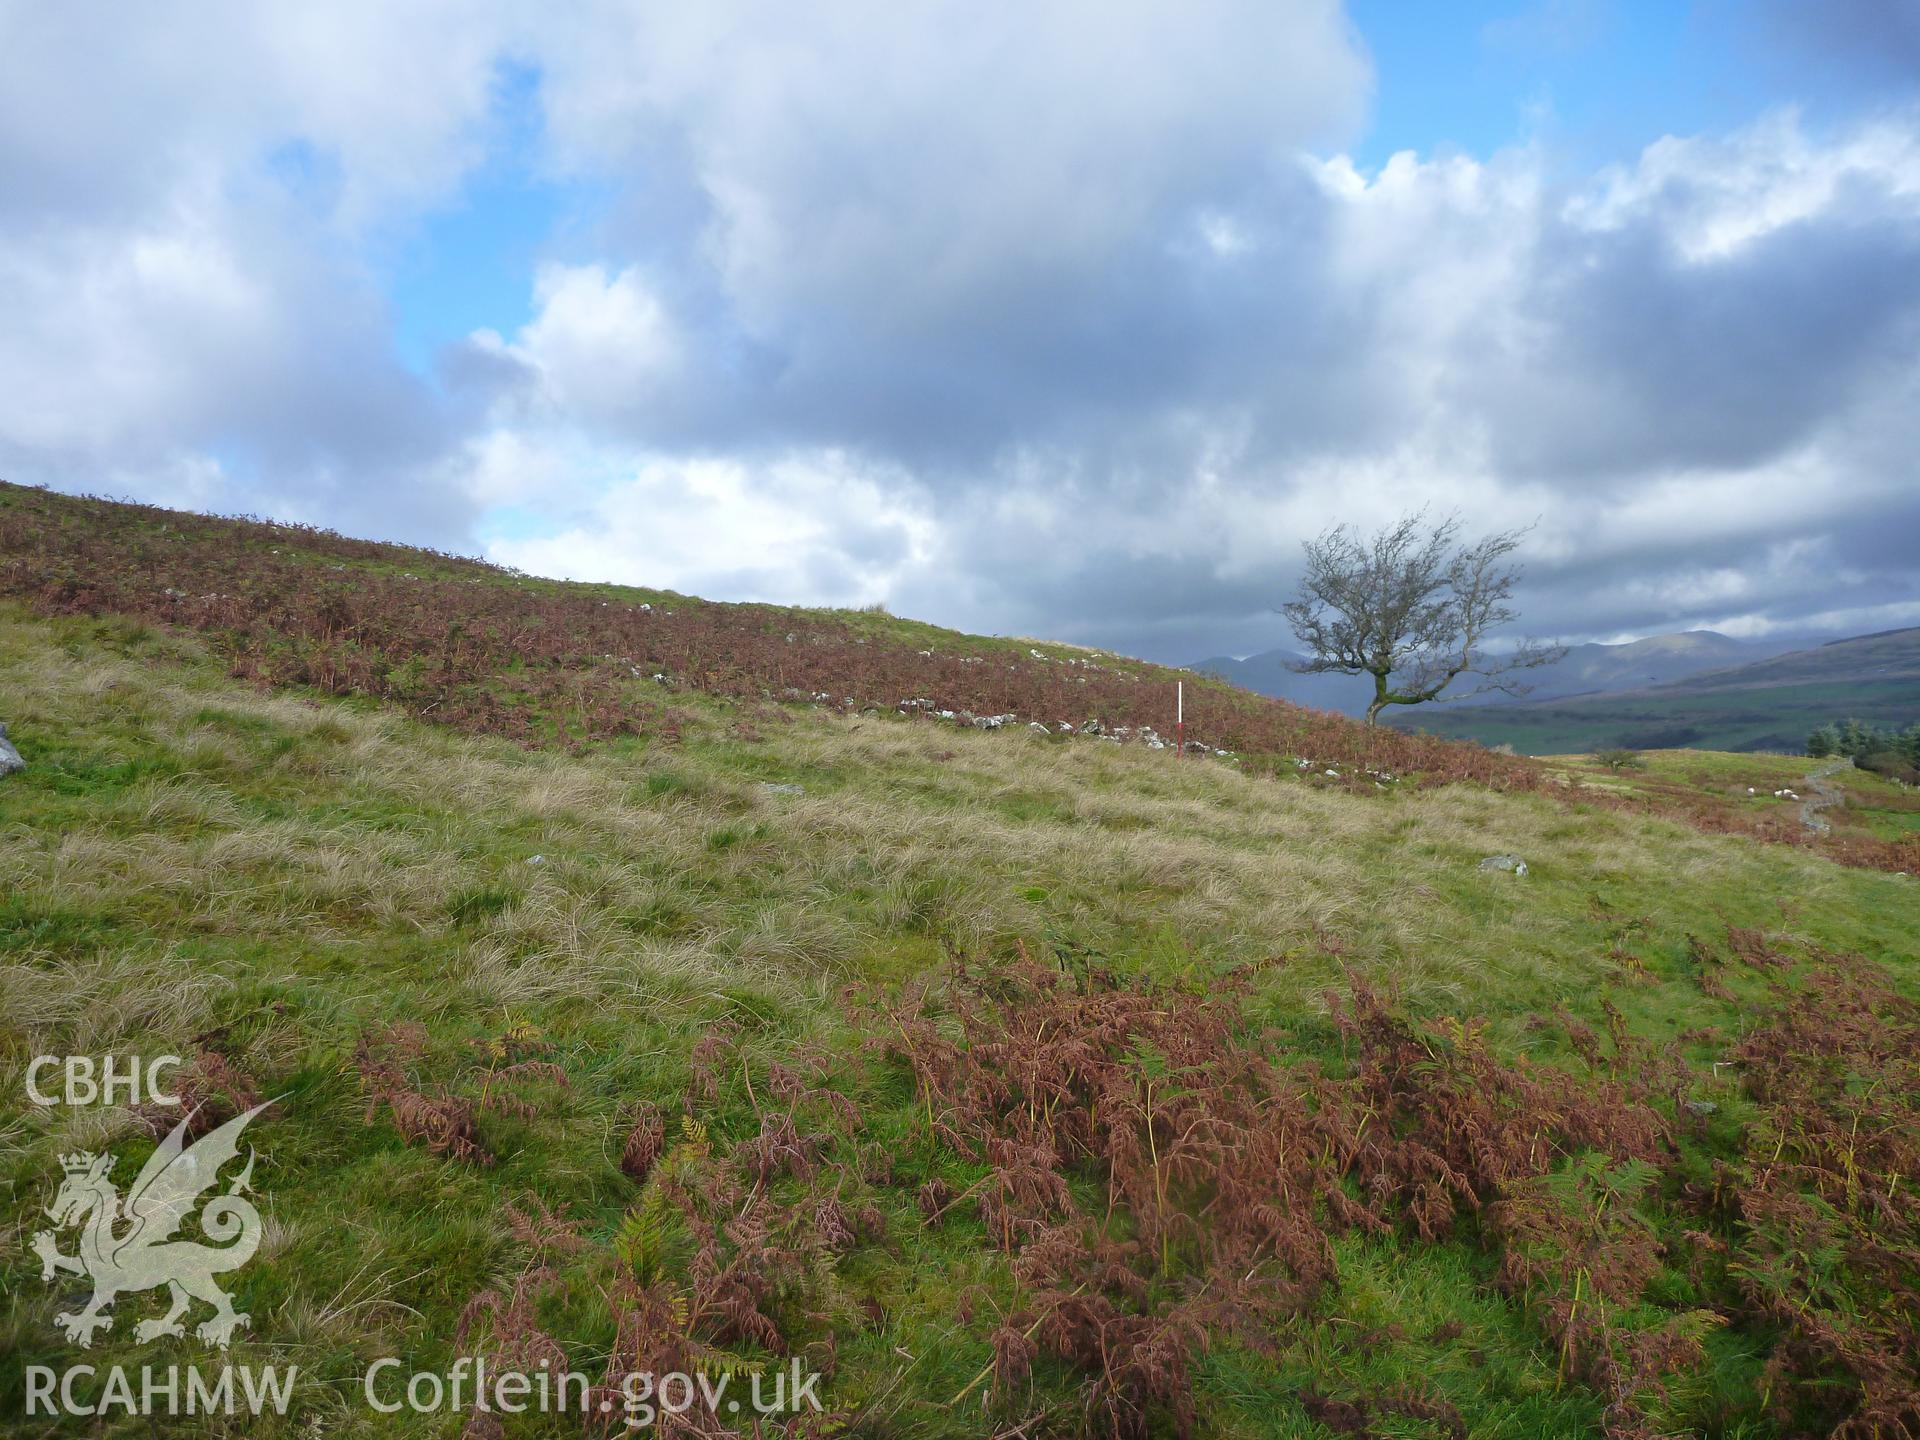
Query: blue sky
<point>466,265</point>
<point>1600,79</point>
<point>1069,320</point>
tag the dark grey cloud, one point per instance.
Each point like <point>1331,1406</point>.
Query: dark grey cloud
<point>1640,357</point>
<point>1863,40</point>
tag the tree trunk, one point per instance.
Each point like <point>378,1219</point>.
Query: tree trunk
<point>1379,697</point>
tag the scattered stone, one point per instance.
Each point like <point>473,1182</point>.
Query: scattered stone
<point>10,760</point>
<point>1505,862</point>
<point>1702,1107</point>
<point>536,860</point>
<point>776,787</point>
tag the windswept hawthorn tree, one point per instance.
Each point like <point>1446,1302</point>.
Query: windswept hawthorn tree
<point>1411,606</point>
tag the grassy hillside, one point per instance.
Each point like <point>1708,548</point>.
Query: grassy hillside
<point>1018,1083</point>
<point>1769,705</point>
<point>491,651</point>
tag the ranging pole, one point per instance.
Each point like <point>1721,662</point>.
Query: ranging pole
<point>1179,718</point>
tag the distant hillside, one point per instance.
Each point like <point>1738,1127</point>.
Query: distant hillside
<point>1635,665</point>
<point>1768,704</point>
<point>1267,674</point>
<point>1886,654</point>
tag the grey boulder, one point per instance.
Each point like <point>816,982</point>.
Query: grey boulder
<point>1505,862</point>
<point>10,760</point>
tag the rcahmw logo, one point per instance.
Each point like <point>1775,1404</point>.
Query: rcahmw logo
<point>127,1244</point>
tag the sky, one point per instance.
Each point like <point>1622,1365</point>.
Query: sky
<point>1069,320</point>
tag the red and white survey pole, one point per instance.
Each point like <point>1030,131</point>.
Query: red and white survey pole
<point>1179,718</point>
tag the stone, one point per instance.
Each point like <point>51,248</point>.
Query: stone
<point>10,760</point>
<point>773,787</point>
<point>1505,862</point>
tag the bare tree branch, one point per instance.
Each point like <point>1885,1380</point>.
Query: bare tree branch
<point>1412,607</point>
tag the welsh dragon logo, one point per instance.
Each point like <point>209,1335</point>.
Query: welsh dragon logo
<point>128,1245</point>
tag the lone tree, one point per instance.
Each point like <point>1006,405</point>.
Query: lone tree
<point>1412,607</point>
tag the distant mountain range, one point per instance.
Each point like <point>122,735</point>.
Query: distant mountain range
<point>1699,689</point>
<point>1657,660</point>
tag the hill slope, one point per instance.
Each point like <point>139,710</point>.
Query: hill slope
<point>488,983</point>
<point>1886,655</point>
<point>1013,1083</point>
<point>1769,704</point>
<point>490,651</point>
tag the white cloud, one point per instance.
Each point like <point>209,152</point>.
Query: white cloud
<point>1040,318</point>
<point>1715,195</point>
<point>875,169</point>
<point>599,347</point>
<point>115,112</point>
<point>805,528</point>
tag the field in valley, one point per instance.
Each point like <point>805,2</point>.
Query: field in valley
<point>1777,719</point>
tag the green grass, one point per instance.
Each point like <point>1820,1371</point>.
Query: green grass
<point>185,857</point>
<point>1772,717</point>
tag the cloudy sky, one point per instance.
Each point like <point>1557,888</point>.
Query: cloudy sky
<point>1066,319</point>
